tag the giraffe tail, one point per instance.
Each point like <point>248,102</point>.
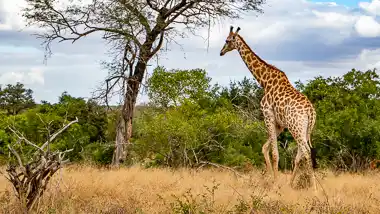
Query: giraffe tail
<point>313,156</point>
<point>313,150</point>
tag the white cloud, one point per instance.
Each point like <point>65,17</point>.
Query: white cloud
<point>369,59</point>
<point>36,75</point>
<point>371,7</point>
<point>33,76</point>
<point>367,26</point>
<point>11,14</point>
<point>365,60</point>
<point>333,19</point>
<point>283,20</point>
<point>331,4</point>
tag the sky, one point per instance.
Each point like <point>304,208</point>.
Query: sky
<point>304,38</point>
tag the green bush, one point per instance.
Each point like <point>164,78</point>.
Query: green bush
<point>98,153</point>
<point>186,135</point>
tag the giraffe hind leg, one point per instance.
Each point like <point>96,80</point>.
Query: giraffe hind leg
<point>296,165</point>
<point>265,151</point>
<point>304,152</point>
<point>275,154</point>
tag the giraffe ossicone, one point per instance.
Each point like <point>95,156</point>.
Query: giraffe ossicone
<point>283,106</point>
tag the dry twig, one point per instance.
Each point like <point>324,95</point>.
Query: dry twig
<point>203,163</point>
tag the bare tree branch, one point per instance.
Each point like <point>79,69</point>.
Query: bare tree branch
<point>31,177</point>
<point>58,133</point>
<point>17,156</point>
<point>22,138</point>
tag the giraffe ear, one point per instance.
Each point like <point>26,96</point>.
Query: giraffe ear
<point>231,28</point>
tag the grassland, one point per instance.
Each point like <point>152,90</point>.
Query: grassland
<point>86,189</point>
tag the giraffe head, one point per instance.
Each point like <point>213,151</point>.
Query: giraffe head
<point>230,41</point>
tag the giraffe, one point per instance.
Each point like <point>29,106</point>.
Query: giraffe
<point>282,106</point>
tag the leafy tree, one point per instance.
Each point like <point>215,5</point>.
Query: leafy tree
<point>348,125</point>
<point>137,29</point>
<point>15,98</point>
<point>38,122</point>
<point>200,125</point>
<point>172,87</point>
<point>187,135</point>
<point>92,117</point>
<point>245,95</point>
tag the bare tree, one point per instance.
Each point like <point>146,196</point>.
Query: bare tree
<point>136,29</point>
<point>30,176</point>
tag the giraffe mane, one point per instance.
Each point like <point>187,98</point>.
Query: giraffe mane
<point>258,57</point>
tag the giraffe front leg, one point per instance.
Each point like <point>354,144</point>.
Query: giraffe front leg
<point>271,141</point>
<point>265,151</point>
<point>275,157</point>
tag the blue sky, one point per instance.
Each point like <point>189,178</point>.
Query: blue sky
<point>303,38</point>
<point>350,3</point>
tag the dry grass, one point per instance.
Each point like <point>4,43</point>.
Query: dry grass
<point>85,189</point>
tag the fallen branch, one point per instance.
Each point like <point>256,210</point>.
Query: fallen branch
<point>203,163</point>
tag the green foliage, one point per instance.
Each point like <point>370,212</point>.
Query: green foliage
<point>98,152</point>
<point>348,123</point>
<point>245,94</point>
<point>15,98</point>
<point>188,134</point>
<point>167,88</point>
<point>38,123</point>
<point>189,121</point>
<point>202,123</point>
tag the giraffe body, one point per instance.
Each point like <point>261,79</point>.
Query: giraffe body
<point>282,106</point>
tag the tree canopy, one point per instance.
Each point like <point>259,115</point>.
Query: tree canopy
<point>15,98</point>
<point>179,85</point>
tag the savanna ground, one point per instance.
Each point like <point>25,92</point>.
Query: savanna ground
<point>88,189</point>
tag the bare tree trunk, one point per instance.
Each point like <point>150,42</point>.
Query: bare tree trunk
<point>121,145</point>
<point>132,90</point>
<point>119,141</point>
<point>123,133</point>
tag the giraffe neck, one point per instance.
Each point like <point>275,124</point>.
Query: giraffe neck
<point>263,72</point>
